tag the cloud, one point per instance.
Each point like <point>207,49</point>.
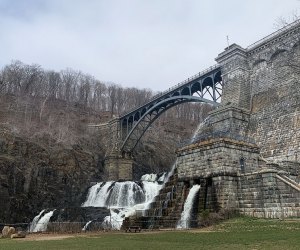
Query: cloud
<point>152,44</point>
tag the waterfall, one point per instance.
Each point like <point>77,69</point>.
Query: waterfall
<point>184,221</point>
<point>86,225</point>
<point>162,177</point>
<point>97,195</point>
<point>125,194</point>
<point>123,198</point>
<point>121,194</point>
<point>199,128</point>
<point>149,177</point>
<point>42,223</point>
<point>35,221</point>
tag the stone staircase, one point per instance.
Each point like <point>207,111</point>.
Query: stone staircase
<point>165,210</point>
<point>269,194</point>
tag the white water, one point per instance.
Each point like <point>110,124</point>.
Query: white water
<point>170,173</point>
<point>122,198</point>
<point>35,221</point>
<point>162,178</point>
<point>200,126</point>
<point>86,225</point>
<point>184,221</point>
<point>97,195</point>
<point>149,177</point>
<point>42,223</point>
<point>121,194</point>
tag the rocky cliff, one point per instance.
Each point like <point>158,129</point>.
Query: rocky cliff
<point>33,177</point>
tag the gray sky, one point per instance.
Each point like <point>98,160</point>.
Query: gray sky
<point>143,43</point>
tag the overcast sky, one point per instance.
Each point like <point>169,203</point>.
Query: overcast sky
<point>143,43</point>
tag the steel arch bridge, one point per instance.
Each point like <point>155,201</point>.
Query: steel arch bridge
<point>205,87</point>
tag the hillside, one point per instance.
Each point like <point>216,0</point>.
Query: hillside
<point>48,153</point>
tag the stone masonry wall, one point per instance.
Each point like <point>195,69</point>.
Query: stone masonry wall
<point>266,194</point>
<point>216,157</point>
<point>265,78</point>
<point>261,101</point>
<point>235,76</point>
<point>275,95</point>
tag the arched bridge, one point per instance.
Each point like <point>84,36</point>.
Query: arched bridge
<point>205,86</point>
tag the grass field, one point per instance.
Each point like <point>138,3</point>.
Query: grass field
<point>239,233</point>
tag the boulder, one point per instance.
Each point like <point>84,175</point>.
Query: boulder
<point>8,231</point>
<point>20,234</point>
<point>11,230</point>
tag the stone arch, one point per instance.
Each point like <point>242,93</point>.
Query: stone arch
<point>295,45</point>
<point>258,62</point>
<point>276,54</point>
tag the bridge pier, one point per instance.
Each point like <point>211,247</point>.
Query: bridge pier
<point>118,167</point>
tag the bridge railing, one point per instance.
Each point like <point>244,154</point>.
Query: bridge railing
<point>272,35</point>
<point>201,73</point>
<point>180,84</point>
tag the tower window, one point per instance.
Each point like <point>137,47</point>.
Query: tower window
<point>242,165</point>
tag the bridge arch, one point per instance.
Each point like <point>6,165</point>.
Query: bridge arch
<point>147,118</point>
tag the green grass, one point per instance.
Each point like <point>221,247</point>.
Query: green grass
<point>240,233</point>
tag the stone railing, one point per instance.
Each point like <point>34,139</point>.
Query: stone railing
<point>273,35</point>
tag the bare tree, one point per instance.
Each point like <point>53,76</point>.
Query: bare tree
<point>99,95</point>
<point>2,83</point>
<point>112,94</point>
<point>282,21</point>
<point>70,81</point>
<point>84,89</point>
<point>120,100</point>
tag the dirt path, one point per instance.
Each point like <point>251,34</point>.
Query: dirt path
<point>38,237</point>
<point>49,236</point>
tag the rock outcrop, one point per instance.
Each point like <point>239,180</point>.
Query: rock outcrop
<point>33,177</point>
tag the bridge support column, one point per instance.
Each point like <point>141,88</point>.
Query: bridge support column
<point>118,167</point>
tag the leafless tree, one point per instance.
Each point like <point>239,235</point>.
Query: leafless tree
<point>99,95</point>
<point>70,81</point>
<point>112,94</point>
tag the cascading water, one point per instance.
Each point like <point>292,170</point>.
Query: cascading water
<point>185,219</point>
<point>124,198</point>
<point>121,194</point>
<point>42,223</point>
<point>199,128</point>
<point>97,195</point>
<point>35,221</point>
<point>149,177</point>
<point>86,225</point>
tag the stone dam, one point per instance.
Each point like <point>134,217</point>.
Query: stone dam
<point>244,158</point>
<point>245,155</point>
